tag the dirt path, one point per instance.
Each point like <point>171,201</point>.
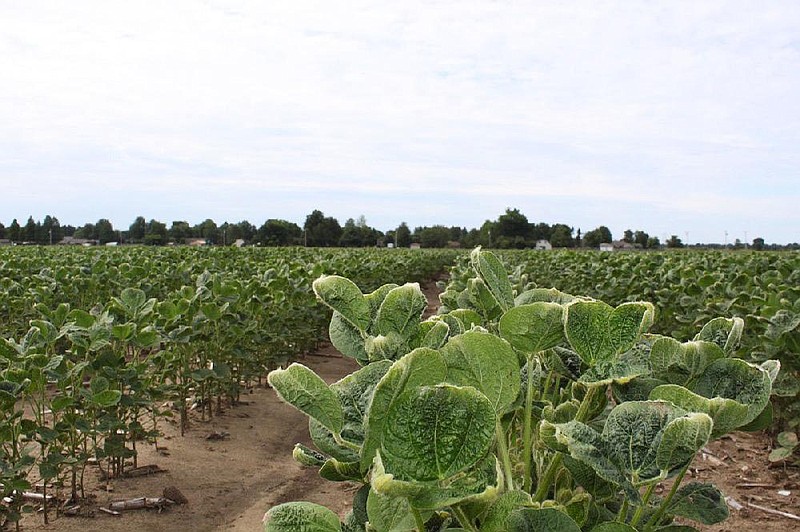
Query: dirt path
<point>230,483</point>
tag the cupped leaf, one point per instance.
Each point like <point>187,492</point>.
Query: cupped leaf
<point>682,363</point>
<point>434,334</point>
<point>420,367</point>
<point>434,432</point>
<point>699,502</point>
<point>301,517</point>
<point>355,392</point>
<point>337,471</point>
<point>547,295</point>
<point>400,311</point>
<point>541,520</point>
<point>496,519</point>
<point>307,456</point>
<point>306,391</point>
<point>724,332</point>
<point>682,438</point>
<point>727,414</point>
<point>389,514</point>
<point>733,378</point>
<point>534,327</point>
<point>343,296</point>
<point>494,275</point>
<point>347,339</point>
<point>613,526</point>
<point>486,362</point>
<point>598,332</point>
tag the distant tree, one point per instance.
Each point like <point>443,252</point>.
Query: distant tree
<point>279,233</point>
<point>69,230</point>
<point>178,232</point>
<point>351,235</point>
<point>641,238</point>
<point>208,230</point>
<point>595,237</point>
<point>578,240</point>
<point>627,236</point>
<point>512,230</point>
<point>541,231</point>
<point>2,230</point>
<point>14,231</point>
<point>137,229</point>
<point>674,242</point>
<point>561,236</point>
<point>29,231</point>
<point>321,231</point>
<point>87,231</point>
<point>245,230</point>
<point>403,236</point>
<point>437,236</point>
<point>50,231</point>
<point>653,242</point>
<point>156,233</point>
<point>758,244</point>
<point>105,231</point>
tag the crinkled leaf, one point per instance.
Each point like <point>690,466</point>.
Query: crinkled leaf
<point>597,331</point>
<point>724,332</point>
<point>434,432</point>
<point>682,438</point>
<point>389,514</point>
<point>496,519</point>
<point>541,520</point>
<point>494,275</point>
<point>337,471</point>
<point>699,502</point>
<point>400,311</point>
<point>355,392</point>
<point>307,456</point>
<point>347,339</point>
<point>534,327</point>
<point>548,295</point>
<point>301,517</point>
<point>306,391</point>
<point>486,362</point>
<point>418,368</point>
<point>343,296</point>
<point>733,378</point>
<point>434,334</point>
<point>682,363</point>
<point>613,526</point>
<point>727,414</point>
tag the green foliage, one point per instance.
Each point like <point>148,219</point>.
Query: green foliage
<point>495,414</point>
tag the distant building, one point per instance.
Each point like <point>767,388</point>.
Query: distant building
<point>621,245</point>
<point>239,242</point>
<point>5,242</point>
<point>414,245</point>
<point>196,242</point>
<point>544,245</point>
<point>606,246</point>
<point>73,241</point>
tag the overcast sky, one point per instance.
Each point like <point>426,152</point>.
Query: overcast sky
<point>671,117</point>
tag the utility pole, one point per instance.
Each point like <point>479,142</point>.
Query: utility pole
<point>726,239</point>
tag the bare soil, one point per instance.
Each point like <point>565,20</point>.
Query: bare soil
<point>230,482</point>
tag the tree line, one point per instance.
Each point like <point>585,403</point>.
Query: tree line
<point>511,230</point>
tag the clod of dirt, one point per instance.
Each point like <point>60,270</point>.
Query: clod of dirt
<point>175,495</point>
<point>218,435</point>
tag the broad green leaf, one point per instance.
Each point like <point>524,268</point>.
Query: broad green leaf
<point>107,398</point>
<point>598,332</point>
<point>301,517</point>
<point>727,414</point>
<point>389,347</point>
<point>343,296</point>
<point>486,362</point>
<point>347,339</point>
<point>780,454</point>
<point>534,327</point>
<point>679,363</point>
<point>699,502</point>
<point>541,520</point>
<point>724,332</point>
<point>324,441</point>
<point>497,515</point>
<point>337,471</point>
<point>434,432</point>
<point>494,275</point>
<point>787,439</point>
<point>306,391</point>
<point>355,392</point>
<point>733,378</point>
<point>547,295</point>
<point>588,479</point>
<point>434,334</point>
<point>762,422</point>
<point>613,526</point>
<point>418,368</point>
<point>375,299</point>
<point>307,457</point>
<point>683,438</point>
<point>124,331</point>
<point>467,317</point>
<point>401,312</point>
<point>480,298</point>
<point>389,514</point>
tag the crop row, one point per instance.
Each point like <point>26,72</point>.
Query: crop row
<point>95,342</point>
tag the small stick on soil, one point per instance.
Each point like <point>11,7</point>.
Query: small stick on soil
<point>773,512</point>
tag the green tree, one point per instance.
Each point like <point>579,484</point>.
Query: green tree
<point>674,242</point>
<point>437,236</point>
<point>137,229</point>
<point>758,244</point>
<point>595,237</point>
<point>279,233</point>
<point>512,230</point>
<point>29,231</point>
<point>105,231</point>
<point>2,230</point>
<point>561,236</point>
<point>208,230</point>
<point>178,232</point>
<point>627,236</point>
<point>402,236</point>
<point>156,233</point>
<point>14,231</point>
<point>321,231</point>
<point>51,231</point>
<point>653,242</point>
<point>641,238</point>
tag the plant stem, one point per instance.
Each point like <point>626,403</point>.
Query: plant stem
<point>623,512</point>
<point>505,459</point>
<point>645,499</point>
<point>463,519</point>
<point>417,518</point>
<point>527,440</point>
<point>663,508</point>
<point>547,479</point>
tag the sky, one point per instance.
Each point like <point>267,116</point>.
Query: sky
<point>678,117</point>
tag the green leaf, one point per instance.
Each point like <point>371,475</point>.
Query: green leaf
<point>435,334</point>
<point>787,439</point>
<point>534,327</point>
<point>343,296</point>
<point>727,414</point>
<point>389,514</point>
<point>613,526</point>
<point>762,422</point>
<point>355,393</point>
<point>541,520</point>
<point>347,339</point>
<point>699,502</point>
<point>418,368</point>
<point>434,432</point>
<point>724,332</point>
<point>107,398</point>
<point>486,362</point>
<point>733,378</point>
<point>337,471</point>
<point>598,332</point>
<point>307,457</point>
<point>496,519</point>
<point>494,275</point>
<point>306,391</point>
<point>548,295</point>
<point>682,438</point>
<point>123,332</point>
<point>301,517</point>
<point>679,363</point>
<point>780,454</point>
<point>401,311</point>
